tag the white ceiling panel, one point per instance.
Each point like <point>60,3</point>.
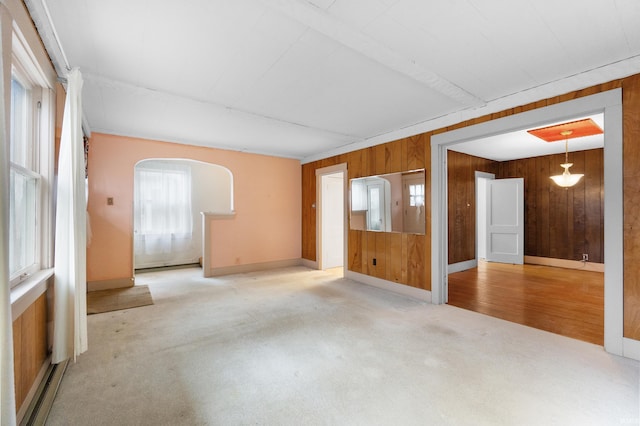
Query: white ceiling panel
<point>303,78</point>
<point>521,144</point>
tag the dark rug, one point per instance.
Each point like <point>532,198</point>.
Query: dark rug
<point>118,299</point>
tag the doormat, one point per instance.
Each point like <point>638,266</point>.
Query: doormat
<point>118,298</point>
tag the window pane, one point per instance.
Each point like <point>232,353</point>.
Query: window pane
<point>19,122</point>
<point>23,193</point>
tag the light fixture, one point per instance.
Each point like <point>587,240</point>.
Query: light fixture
<point>566,179</point>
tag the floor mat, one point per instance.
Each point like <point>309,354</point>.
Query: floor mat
<point>118,298</point>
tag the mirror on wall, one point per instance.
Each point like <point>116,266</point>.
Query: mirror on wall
<point>389,203</point>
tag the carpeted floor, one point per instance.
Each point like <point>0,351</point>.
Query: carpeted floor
<point>302,347</point>
<point>118,299</point>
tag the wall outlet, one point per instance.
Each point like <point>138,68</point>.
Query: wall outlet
<point>374,261</point>
<point>585,257</point>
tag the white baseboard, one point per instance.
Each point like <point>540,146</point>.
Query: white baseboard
<point>110,284</point>
<point>253,267</point>
<point>631,348</point>
<point>462,266</point>
<point>405,290</point>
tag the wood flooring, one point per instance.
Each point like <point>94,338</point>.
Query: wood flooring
<point>563,301</point>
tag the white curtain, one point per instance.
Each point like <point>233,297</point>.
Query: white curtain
<point>163,219</point>
<point>7,393</point>
<point>70,301</point>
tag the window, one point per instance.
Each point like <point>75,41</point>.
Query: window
<point>163,220</point>
<point>24,190</point>
<point>416,195</point>
<point>30,139</point>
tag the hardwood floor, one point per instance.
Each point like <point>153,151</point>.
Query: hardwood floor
<point>563,301</point>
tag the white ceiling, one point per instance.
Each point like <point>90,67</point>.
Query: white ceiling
<point>306,79</point>
<point>521,144</point>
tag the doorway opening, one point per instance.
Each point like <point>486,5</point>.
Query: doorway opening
<point>610,104</point>
<point>169,196</point>
<point>331,191</point>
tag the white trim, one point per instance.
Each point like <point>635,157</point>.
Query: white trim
<point>405,290</point>
<point>462,266</point>
<point>611,103</point>
<point>324,171</point>
<point>27,292</point>
<point>631,348</point>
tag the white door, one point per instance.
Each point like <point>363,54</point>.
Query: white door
<point>332,220</point>
<point>505,220</point>
<point>376,220</point>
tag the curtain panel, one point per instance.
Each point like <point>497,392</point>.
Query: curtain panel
<point>70,308</point>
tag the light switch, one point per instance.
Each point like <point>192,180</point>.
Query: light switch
<point>109,201</point>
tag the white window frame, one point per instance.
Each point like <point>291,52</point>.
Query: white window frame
<point>40,159</point>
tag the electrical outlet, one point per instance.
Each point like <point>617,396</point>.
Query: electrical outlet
<point>109,201</point>
<point>585,257</point>
<point>374,261</point>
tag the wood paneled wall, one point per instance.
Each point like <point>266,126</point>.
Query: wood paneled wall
<point>631,173</point>
<point>401,258</point>
<point>461,195</point>
<point>562,223</point>
<point>30,347</point>
<point>358,166</point>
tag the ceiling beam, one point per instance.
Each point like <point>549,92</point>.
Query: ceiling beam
<point>326,24</point>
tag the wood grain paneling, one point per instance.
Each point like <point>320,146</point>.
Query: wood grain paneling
<point>18,369</point>
<point>30,347</point>
<point>413,152</point>
<point>308,211</point>
<point>562,223</point>
<point>397,255</point>
<point>461,170</point>
<point>631,162</point>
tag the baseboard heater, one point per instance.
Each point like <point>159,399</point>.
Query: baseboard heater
<point>40,406</point>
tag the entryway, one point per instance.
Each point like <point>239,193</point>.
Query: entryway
<point>331,190</point>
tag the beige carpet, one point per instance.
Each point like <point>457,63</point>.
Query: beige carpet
<point>302,347</point>
<point>118,299</point>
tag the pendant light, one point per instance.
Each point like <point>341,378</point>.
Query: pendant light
<point>566,179</point>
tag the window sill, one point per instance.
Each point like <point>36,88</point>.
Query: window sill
<point>27,292</point>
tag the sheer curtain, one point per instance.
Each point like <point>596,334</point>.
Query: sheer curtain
<point>163,219</point>
<point>7,392</point>
<point>70,288</point>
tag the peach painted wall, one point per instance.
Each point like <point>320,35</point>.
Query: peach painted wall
<point>267,200</point>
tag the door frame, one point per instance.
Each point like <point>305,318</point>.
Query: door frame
<point>610,103</point>
<point>324,171</point>
<point>480,203</point>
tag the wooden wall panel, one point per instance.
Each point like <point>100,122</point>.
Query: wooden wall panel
<point>18,369</point>
<point>30,347</point>
<point>396,258</point>
<point>416,262</point>
<point>308,211</point>
<point>631,148</point>
<point>413,151</point>
<point>395,253</point>
<point>354,254</point>
<point>461,170</point>
<point>562,223</point>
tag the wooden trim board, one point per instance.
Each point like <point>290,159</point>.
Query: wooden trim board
<point>563,263</point>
